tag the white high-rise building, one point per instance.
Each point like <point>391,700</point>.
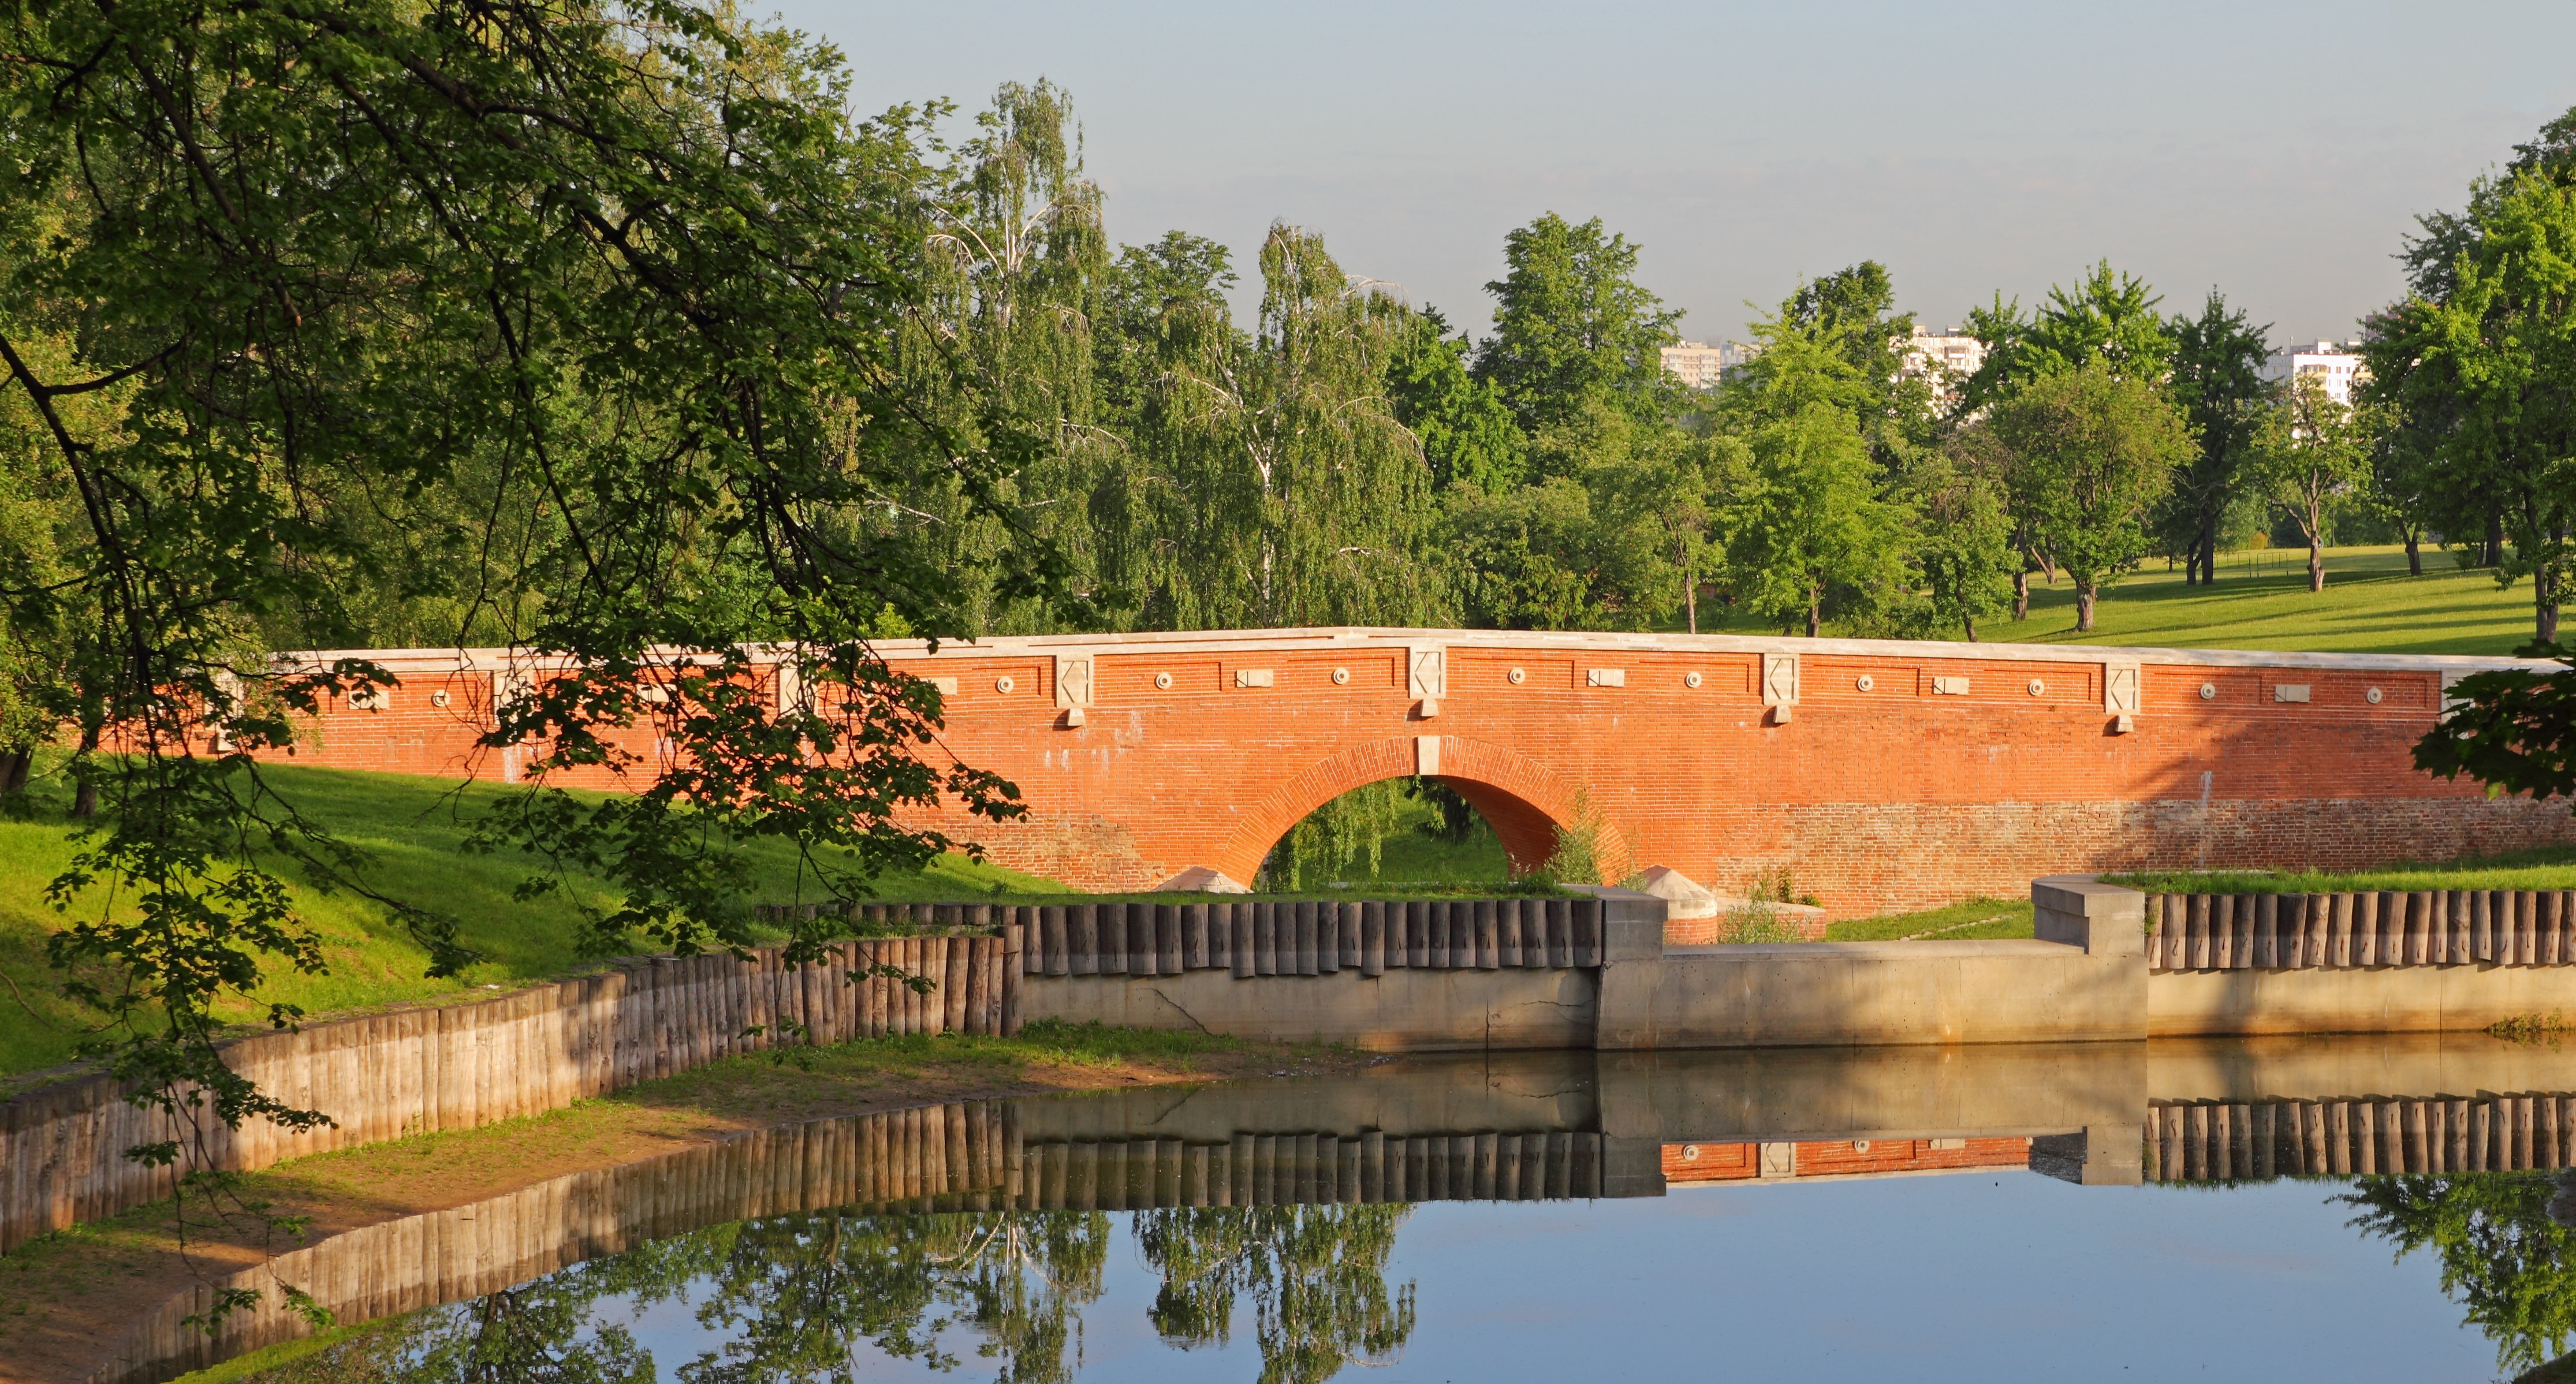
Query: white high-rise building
<point>2337,364</point>
<point>1945,358</point>
<point>1701,364</point>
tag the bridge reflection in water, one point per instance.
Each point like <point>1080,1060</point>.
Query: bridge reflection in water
<point>1292,1191</point>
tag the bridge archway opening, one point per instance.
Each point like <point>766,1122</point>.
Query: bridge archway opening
<point>1411,830</point>
<point>1519,802</point>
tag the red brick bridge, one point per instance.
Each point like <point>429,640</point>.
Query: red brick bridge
<point>1881,773</point>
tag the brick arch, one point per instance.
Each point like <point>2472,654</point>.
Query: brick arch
<point>1517,796</point>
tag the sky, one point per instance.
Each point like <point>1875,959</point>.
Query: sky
<point>2275,152</point>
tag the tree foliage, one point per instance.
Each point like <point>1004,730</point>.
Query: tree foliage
<point>363,279</point>
<point>2091,450</point>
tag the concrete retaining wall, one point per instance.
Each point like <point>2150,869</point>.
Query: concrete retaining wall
<point>2396,999</point>
<point>1400,1011</point>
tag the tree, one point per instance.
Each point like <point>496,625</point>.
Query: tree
<point>2309,450</point>
<point>1468,433</point>
<point>638,274</point>
<point>2091,450</point>
<point>1809,519</point>
<point>1316,1276</point>
<point>2217,379</point>
<point>2503,1259</point>
<point>1851,316</point>
<point>1270,481</point>
<point>2108,317</point>
<point>1572,324</point>
<point>2492,366</point>
<point>1964,548</point>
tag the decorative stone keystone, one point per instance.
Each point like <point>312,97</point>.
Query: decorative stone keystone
<point>1780,681</point>
<point>1949,687</point>
<point>1426,756</point>
<point>1253,677</point>
<point>1072,682</point>
<point>2120,696</point>
<point>1606,677</point>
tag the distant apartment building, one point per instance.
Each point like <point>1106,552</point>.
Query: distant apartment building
<point>1701,364</point>
<point>2336,364</point>
<point>1945,358</point>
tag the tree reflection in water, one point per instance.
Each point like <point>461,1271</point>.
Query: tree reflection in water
<point>797,1298</point>
<point>1316,1276</point>
<point>2503,1257</point>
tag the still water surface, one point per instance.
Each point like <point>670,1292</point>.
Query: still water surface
<point>1854,1217</point>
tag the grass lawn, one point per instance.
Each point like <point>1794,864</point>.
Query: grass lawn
<point>1973,921</point>
<point>413,830</point>
<point>2548,867</point>
<point>2262,601</point>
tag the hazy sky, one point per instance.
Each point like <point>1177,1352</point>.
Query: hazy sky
<point>2274,151</point>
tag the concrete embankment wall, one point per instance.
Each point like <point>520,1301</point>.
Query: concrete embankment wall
<point>383,1076</point>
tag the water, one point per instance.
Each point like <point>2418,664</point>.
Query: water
<point>1823,1216</point>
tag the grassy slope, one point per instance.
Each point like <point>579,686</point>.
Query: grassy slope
<point>2262,601</point>
<point>412,829</point>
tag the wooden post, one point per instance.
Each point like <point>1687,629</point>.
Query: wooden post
<point>2545,922</point>
<point>1220,936</point>
<point>1507,933</point>
<point>1587,932</point>
<point>1265,940</point>
<point>2222,930</point>
<point>1372,938</point>
<point>1417,934</point>
<point>954,955</point>
<point>1328,939</point>
<point>1436,934</point>
<point>1487,947</point>
<point>1194,936</point>
<point>2483,925</point>
<point>1350,935</point>
<point>1170,947</point>
<point>2198,957</point>
<point>1242,947</point>
<point>1014,940</point>
<point>1082,940</point>
<point>2267,932</point>
<point>1304,926</point>
<point>1399,935</point>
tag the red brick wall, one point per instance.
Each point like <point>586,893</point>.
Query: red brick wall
<point>1890,797</point>
<point>1843,1158</point>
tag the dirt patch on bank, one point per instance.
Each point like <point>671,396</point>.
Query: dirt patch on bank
<point>65,1297</point>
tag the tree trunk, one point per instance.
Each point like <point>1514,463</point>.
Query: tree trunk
<point>85,797</point>
<point>2544,607</point>
<point>1690,601</point>
<point>2316,560</point>
<point>1815,611</point>
<point>2021,594</point>
<point>2495,541</point>
<point>13,768</point>
<point>2209,554</point>
<point>2414,552</point>
<point>1971,622</point>
<point>2084,607</point>
<point>2049,565</point>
